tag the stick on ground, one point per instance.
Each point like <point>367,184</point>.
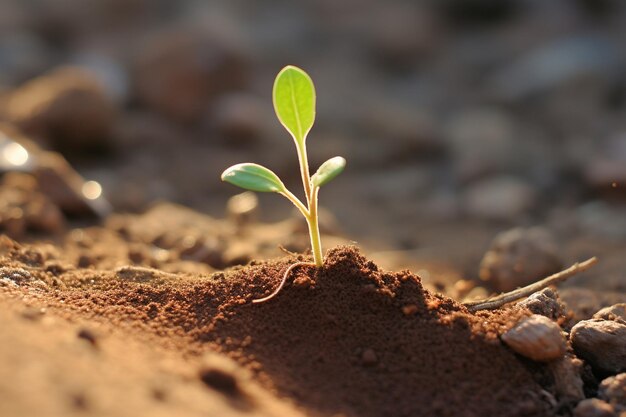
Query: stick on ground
<point>508,297</point>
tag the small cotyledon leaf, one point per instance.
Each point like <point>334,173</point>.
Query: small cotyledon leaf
<point>253,177</point>
<point>294,102</point>
<point>328,170</point>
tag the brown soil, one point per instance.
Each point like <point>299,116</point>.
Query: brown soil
<point>348,340</point>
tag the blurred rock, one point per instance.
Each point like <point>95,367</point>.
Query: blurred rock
<point>519,257</point>
<point>479,11</point>
<point>616,312</point>
<point>243,208</point>
<point>240,118</point>
<point>545,302</point>
<point>178,73</point>
<point>536,337</point>
<point>608,164</point>
<point>67,108</point>
<point>613,391</point>
<point>499,198</point>
<point>602,343</point>
<point>53,176</point>
<point>109,71</point>
<point>66,188</point>
<point>602,219</point>
<point>23,55</point>
<point>593,407</point>
<point>568,384</point>
<point>476,293</point>
<point>209,250</point>
<point>412,131</point>
<point>400,33</point>
<point>482,141</point>
<point>555,63</point>
<point>582,303</point>
<point>24,208</point>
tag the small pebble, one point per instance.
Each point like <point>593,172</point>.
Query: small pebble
<point>17,276</point>
<point>88,336</point>
<point>568,384</point>
<point>369,357</point>
<point>613,391</point>
<point>56,107</point>
<point>593,407</point>
<point>545,302</point>
<point>499,198</point>
<point>519,257</point>
<point>220,380</point>
<point>602,343</point>
<point>536,337</point>
<point>616,312</point>
<point>33,314</point>
<point>409,309</point>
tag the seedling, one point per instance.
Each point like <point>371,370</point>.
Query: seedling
<point>294,102</point>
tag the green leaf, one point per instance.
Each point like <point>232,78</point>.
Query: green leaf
<point>253,177</point>
<point>328,170</point>
<point>294,102</point>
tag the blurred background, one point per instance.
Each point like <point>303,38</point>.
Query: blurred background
<point>459,119</point>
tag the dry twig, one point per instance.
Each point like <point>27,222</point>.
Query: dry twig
<point>508,297</point>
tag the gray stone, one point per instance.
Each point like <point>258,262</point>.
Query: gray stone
<point>615,312</point>
<point>499,198</point>
<point>613,391</point>
<point>545,302</point>
<point>568,384</point>
<point>519,257</point>
<point>556,63</point>
<point>602,343</point>
<point>68,108</point>
<point>593,407</point>
<point>536,337</point>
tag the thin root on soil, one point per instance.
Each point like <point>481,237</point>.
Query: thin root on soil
<point>282,281</point>
<point>508,297</point>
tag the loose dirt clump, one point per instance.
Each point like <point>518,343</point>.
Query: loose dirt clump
<point>349,339</point>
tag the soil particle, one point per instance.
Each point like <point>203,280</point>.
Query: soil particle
<point>220,380</point>
<point>594,407</point>
<point>546,303</point>
<point>568,384</point>
<point>440,360</point>
<point>25,208</point>
<point>89,336</point>
<point>409,309</point>
<point>602,343</point>
<point>616,312</point>
<point>369,357</point>
<point>613,391</point>
<point>16,276</point>
<point>583,303</point>
<point>536,337</point>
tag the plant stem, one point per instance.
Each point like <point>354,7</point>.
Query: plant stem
<point>311,199</point>
<point>314,230</point>
<point>304,171</point>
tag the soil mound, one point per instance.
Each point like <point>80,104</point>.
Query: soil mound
<point>349,339</point>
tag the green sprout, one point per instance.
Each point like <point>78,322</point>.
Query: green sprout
<point>294,102</point>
